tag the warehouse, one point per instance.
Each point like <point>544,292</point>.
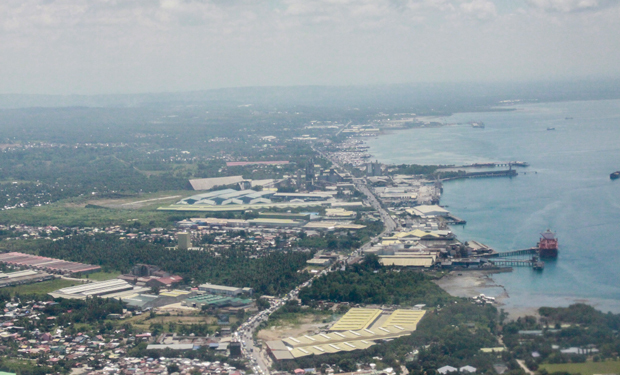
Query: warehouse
<point>276,223</point>
<point>215,300</point>
<point>425,261</point>
<point>428,211</point>
<point>377,326</point>
<point>105,289</point>
<point>224,290</point>
<point>47,264</point>
<point>228,196</point>
<point>356,319</point>
<point>23,277</point>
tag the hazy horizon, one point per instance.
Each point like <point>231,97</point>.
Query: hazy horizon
<point>86,47</point>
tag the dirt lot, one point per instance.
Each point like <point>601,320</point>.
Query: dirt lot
<point>309,324</point>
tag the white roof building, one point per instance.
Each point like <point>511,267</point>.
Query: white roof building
<point>428,210</point>
<point>468,369</point>
<point>447,369</point>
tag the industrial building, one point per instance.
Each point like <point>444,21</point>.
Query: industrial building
<point>356,319</point>
<point>228,196</point>
<point>276,223</point>
<point>358,329</point>
<point>224,290</point>
<point>106,289</point>
<point>23,277</point>
<point>49,265</point>
<point>428,211</point>
<point>184,240</point>
<point>332,225</point>
<point>215,300</point>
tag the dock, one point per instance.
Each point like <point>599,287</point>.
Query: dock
<point>503,259</point>
<point>502,173</point>
<point>454,220</point>
<point>512,253</point>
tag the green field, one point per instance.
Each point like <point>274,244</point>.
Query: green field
<point>588,368</point>
<point>100,213</point>
<point>41,288</point>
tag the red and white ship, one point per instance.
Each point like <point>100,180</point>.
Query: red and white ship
<point>548,245</point>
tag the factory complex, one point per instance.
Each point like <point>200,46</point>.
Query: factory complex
<point>50,265</point>
<point>23,277</point>
<point>359,328</point>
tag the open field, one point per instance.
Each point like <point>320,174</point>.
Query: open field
<point>100,212</point>
<point>588,368</point>
<point>42,287</point>
<point>303,324</point>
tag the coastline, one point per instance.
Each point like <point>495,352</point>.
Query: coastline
<point>471,283</point>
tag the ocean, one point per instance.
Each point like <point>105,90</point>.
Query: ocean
<point>566,189</point>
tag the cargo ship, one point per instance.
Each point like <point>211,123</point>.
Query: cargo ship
<point>548,245</point>
<point>615,175</point>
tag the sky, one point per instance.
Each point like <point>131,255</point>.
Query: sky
<point>138,46</point>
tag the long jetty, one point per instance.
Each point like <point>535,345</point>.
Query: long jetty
<point>503,258</point>
<point>513,253</point>
<point>503,173</point>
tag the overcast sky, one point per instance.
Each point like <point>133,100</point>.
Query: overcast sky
<point>130,46</point>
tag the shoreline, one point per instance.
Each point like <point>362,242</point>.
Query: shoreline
<point>469,284</point>
<point>475,282</point>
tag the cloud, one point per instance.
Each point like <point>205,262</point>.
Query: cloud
<point>568,5</point>
<point>142,45</point>
<point>480,9</point>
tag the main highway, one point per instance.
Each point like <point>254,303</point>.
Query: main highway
<point>258,358</point>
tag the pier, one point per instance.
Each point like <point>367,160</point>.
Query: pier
<point>502,173</point>
<point>493,164</point>
<point>503,259</point>
<point>454,220</point>
<point>513,253</point>
<point>513,263</point>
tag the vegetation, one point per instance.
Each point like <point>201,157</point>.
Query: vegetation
<point>369,282</point>
<point>452,336</point>
<point>588,368</point>
<point>579,326</point>
<point>41,288</point>
<point>274,273</point>
<point>342,241</point>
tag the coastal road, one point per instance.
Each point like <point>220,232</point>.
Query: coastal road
<point>388,221</point>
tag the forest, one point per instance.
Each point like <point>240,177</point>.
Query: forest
<point>578,325</point>
<point>272,274</point>
<point>370,283</point>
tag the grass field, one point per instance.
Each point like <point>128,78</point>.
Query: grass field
<point>100,212</point>
<point>587,368</point>
<point>41,288</point>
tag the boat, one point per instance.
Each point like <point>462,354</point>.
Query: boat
<point>477,124</point>
<point>548,245</point>
<point>537,264</point>
<point>550,128</point>
<point>568,118</point>
<point>615,175</point>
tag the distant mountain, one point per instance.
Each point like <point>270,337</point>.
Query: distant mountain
<point>429,96</point>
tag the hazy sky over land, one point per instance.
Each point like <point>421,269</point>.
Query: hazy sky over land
<point>128,46</point>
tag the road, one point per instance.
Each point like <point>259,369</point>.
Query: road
<point>390,224</point>
<point>257,357</point>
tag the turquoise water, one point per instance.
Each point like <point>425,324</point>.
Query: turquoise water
<point>566,188</point>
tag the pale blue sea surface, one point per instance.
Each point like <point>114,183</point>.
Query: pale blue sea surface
<point>567,189</point>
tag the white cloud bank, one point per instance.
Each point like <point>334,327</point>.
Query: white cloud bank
<point>97,46</point>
